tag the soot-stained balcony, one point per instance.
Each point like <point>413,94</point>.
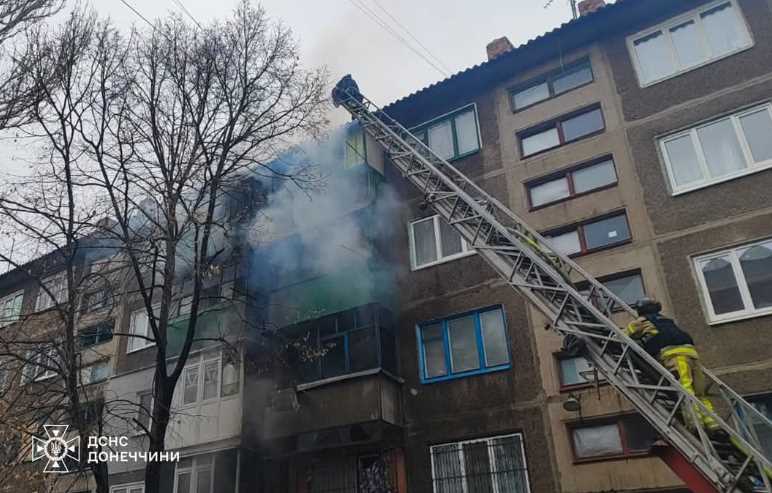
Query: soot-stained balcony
<point>350,342</point>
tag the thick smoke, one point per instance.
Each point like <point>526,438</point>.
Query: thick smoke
<point>326,223</point>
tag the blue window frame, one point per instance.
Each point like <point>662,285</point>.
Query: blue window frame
<point>467,344</point>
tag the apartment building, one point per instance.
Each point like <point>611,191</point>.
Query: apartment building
<point>620,137</point>
<point>34,305</point>
<point>635,137</point>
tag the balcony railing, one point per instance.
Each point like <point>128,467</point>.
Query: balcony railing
<point>347,342</point>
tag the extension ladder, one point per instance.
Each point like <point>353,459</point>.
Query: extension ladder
<point>527,262</point>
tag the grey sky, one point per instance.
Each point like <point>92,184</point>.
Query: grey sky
<point>337,34</point>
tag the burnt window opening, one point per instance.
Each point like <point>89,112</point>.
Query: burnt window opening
<point>347,342</point>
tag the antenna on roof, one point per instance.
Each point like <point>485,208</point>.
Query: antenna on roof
<point>574,13</point>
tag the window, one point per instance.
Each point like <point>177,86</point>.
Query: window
<point>564,130</point>
<point>689,41</point>
<point>465,345</point>
<point>433,241</point>
<point>763,404</point>
<point>231,375</point>
<point>96,300</point>
<point>495,464</point>
<point>590,236</point>
<point>96,334</point>
<point>350,341</point>
<point>451,136</point>
<point>720,150</point>
<point>128,488</point>
<point>628,286</point>
<point>195,474</point>
<point>737,283</point>
<point>95,373</point>
<point>144,411</point>
<point>354,153</point>
<point>40,365</point>
<point>572,182</point>
<point>623,436</point>
<point>57,286</point>
<point>576,371</point>
<point>183,305</point>
<point>552,85</point>
<point>10,308</point>
<point>139,327</point>
<point>209,378</point>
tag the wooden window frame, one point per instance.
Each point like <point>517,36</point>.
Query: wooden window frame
<point>557,123</point>
<point>582,241</point>
<point>559,356</point>
<point>549,79</point>
<point>581,286</point>
<point>616,419</point>
<point>568,174</point>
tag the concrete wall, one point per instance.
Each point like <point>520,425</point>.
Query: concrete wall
<point>477,406</point>
<point>638,254</point>
<point>712,218</point>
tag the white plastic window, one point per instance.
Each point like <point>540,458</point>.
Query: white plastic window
<point>688,41</point>
<point>737,283</point>
<point>433,241</point>
<point>720,150</point>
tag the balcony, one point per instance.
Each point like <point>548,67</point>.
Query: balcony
<point>347,390</point>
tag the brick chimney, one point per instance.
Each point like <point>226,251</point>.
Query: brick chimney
<point>498,47</point>
<point>589,6</point>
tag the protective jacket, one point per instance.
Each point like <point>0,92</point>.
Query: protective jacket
<point>658,334</point>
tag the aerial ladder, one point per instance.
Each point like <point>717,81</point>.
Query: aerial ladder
<point>547,278</point>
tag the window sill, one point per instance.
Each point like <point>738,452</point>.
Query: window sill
<point>747,172</point>
<point>466,374</point>
<point>462,156</point>
<point>140,349</point>
<point>582,386</point>
<point>451,258</point>
<point>600,249</point>
<point>737,318</point>
<point>604,458</point>
<point>43,378</point>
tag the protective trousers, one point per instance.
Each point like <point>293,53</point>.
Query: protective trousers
<point>683,361</point>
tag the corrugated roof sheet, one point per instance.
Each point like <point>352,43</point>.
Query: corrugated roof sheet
<point>517,51</point>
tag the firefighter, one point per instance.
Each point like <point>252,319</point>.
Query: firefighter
<point>674,348</point>
<point>345,88</point>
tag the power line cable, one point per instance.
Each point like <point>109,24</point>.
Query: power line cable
<point>188,13</point>
<point>375,18</point>
<point>137,12</point>
<point>412,36</point>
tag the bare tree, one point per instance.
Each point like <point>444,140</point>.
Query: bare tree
<point>155,131</point>
<point>194,110</point>
<point>16,92</point>
<point>48,213</point>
